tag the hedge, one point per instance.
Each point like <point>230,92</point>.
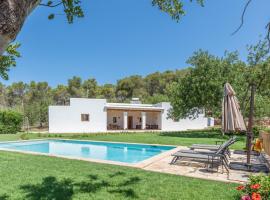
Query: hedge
<point>10,122</point>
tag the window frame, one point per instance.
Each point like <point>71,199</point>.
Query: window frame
<point>85,117</point>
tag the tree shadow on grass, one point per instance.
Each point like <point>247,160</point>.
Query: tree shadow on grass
<point>119,173</point>
<point>125,192</point>
<point>93,184</point>
<point>49,189</point>
<point>130,181</point>
<point>52,189</point>
<point>4,197</point>
<point>125,188</point>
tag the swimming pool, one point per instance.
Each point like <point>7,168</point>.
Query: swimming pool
<point>120,152</point>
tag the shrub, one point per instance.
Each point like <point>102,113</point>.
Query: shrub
<point>257,188</point>
<point>256,130</point>
<point>10,122</point>
<point>24,136</point>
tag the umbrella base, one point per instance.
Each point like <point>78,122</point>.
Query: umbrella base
<point>249,167</point>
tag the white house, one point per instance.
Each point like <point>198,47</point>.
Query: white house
<point>96,115</point>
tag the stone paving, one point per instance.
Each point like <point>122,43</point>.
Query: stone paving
<point>197,169</point>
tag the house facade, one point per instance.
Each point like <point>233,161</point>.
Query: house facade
<point>97,115</point>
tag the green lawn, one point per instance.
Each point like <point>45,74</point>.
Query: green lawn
<point>6,137</point>
<point>41,177</point>
<point>185,138</point>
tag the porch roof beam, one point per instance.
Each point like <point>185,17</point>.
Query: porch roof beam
<point>136,109</point>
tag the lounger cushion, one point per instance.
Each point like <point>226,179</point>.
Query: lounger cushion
<point>194,155</point>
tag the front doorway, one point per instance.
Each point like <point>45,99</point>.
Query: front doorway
<point>130,122</point>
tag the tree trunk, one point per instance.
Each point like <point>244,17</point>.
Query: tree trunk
<point>250,123</point>
<point>12,16</point>
<point>3,44</point>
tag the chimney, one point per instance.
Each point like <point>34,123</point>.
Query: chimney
<point>135,101</point>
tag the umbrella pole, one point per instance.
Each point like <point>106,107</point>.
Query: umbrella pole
<point>250,122</point>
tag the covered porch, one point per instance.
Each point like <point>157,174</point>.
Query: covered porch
<point>118,119</point>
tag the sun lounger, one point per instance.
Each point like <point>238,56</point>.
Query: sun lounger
<point>213,147</point>
<point>209,146</point>
<point>218,157</point>
<point>210,159</point>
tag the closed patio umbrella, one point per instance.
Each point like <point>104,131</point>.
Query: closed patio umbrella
<point>232,119</point>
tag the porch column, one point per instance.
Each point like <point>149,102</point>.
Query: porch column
<point>159,120</point>
<point>143,115</point>
<point>125,119</point>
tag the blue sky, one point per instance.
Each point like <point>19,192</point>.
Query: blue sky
<point>118,38</point>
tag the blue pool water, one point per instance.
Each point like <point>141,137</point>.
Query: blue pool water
<point>121,152</point>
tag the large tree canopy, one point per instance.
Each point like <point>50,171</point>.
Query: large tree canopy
<point>202,88</point>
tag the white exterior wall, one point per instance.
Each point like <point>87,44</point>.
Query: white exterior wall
<point>67,119</point>
<point>182,124</point>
